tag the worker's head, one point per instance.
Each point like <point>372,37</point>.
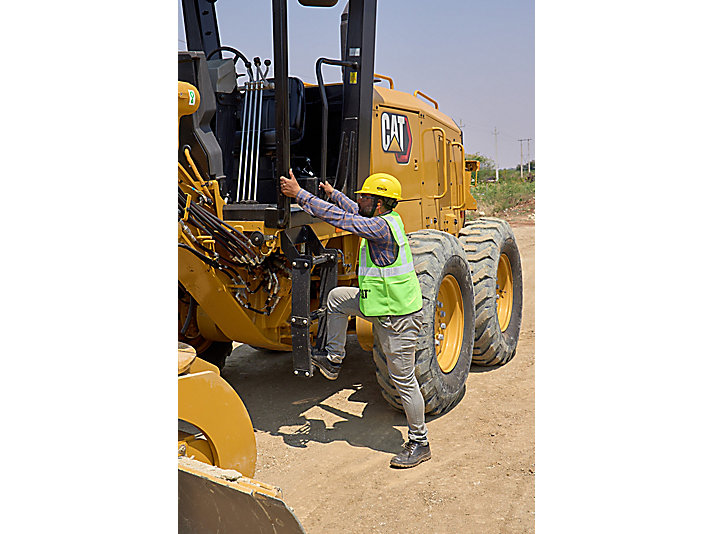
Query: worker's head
<point>379,194</point>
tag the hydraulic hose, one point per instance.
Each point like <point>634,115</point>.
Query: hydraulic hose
<point>240,297</point>
<point>234,242</point>
<point>189,315</point>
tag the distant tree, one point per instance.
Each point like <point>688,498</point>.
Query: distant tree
<point>525,166</point>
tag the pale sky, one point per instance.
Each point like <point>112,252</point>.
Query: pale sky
<point>476,59</point>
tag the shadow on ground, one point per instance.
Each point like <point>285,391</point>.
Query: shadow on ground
<point>302,410</point>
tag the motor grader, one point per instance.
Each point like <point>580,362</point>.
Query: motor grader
<point>255,268</point>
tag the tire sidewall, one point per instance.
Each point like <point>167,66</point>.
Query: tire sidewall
<point>453,381</point>
<point>436,255</point>
<point>485,241</point>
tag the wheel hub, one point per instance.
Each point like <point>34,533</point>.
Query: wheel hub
<point>505,292</point>
<point>449,323</point>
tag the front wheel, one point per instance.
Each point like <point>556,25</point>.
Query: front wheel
<point>215,352</point>
<point>444,346</point>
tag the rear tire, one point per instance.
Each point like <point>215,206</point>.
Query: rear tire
<point>441,370</point>
<point>496,271</point>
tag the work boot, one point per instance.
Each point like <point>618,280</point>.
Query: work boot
<point>328,368</point>
<point>412,454</point>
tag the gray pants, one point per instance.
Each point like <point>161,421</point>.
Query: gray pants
<point>397,335</point>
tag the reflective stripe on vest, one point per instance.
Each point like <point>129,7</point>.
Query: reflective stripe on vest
<point>385,272</point>
<point>394,289</point>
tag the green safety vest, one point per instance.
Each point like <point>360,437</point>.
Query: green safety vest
<point>390,290</point>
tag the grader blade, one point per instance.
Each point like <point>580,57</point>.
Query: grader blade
<point>216,458</point>
<point>213,500</point>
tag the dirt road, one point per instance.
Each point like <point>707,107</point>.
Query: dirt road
<point>328,444</point>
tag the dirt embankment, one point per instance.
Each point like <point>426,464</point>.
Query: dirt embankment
<point>328,444</point>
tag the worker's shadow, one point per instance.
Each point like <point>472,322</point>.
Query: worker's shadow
<point>301,410</point>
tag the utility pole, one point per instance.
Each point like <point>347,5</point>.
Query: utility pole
<point>521,158</point>
<point>529,159</point>
<point>496,158</point>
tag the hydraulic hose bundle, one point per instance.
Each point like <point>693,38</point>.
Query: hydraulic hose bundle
<point>221,246</point>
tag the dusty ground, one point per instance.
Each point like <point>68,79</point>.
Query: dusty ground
<point>328,444</point>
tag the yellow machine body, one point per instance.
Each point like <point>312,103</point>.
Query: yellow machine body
<point>211,499</point>
<point>435,180</point>
<point>217,455</point>
<point>436,186</point>
<point>245,260</point>
<point>214,425</point>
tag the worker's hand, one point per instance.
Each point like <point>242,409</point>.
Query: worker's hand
<point>327,188</point>
<point>290,186</point>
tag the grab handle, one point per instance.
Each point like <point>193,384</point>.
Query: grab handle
<point>426,97</point>
<point>382,77</point>
<point>462,186</point>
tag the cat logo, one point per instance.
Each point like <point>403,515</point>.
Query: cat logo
<point>395,136</point>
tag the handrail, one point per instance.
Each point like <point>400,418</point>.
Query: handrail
<point>426,97</point>
<point>382,77</point>
<point>325,107</point>
<point>462,188</point>
<point>445,168</point>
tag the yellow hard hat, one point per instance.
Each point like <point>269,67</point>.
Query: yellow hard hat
<point>382,184</point>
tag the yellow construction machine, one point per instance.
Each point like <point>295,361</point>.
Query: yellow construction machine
<point>216,458</point>
<point>256,269</point>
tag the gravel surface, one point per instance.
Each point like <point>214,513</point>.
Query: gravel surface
<point>327,444</point>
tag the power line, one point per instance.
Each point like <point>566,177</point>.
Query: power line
<point>529,159</point>
<point>507,135</point>
<point>496,158</point>
<point>521,155</point>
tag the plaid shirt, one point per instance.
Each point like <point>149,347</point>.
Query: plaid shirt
<point>344,214</point>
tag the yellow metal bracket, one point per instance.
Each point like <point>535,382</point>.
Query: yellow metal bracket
<point>200,183</point>
<point>473,165</point>
<point>195,186</point>
<point>269,247</point>
<point>189,198</point>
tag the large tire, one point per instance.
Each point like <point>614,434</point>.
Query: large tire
<point>216,353</point>
<point>496,270</point>
<point>441,369</point>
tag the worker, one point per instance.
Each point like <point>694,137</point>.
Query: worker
<point>388,294</point>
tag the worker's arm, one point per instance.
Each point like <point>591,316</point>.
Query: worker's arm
<point>372,228</point>
<point>338,198</point>
<point>344,202</point>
